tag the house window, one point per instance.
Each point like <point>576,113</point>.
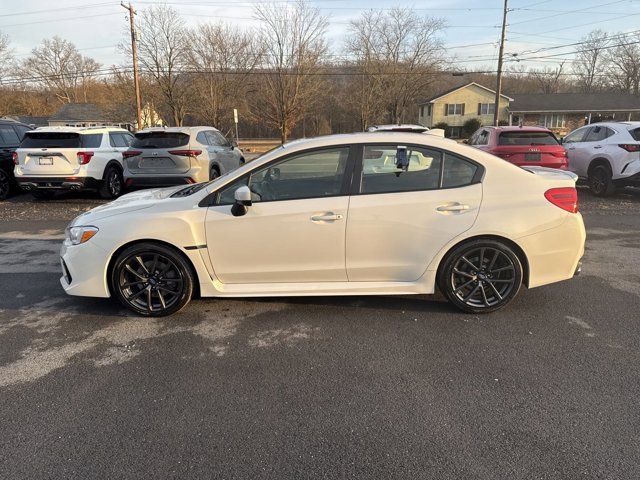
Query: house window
<point>429,110</point>
<point>486,108</point>
<point>455,109</point>
<point>553,120</point>
<point>455,132</point>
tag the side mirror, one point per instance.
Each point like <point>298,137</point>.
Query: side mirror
<point>243,200</point>
<point>561,140</point>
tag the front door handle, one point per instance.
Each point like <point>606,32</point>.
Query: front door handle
<point>326,217</point>
<point>455,207</point>
<point>598,146</point>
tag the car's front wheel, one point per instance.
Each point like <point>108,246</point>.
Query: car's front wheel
<point>481,276</point>
<point>152,279</point>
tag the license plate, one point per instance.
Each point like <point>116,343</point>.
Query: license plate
<point>45,161</point>
<point>532,157</point>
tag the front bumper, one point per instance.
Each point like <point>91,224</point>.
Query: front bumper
<point>58,183</point>
<point>84,270</point>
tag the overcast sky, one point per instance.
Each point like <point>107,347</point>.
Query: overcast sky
<point>96,27</point>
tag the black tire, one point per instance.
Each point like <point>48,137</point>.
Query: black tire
<point>242,161</point>
<point>152,280</point>
<point>112,184</point>
<point>480,276</point>
<point>214,173</point>
<point>601,181</point>
<point>5,185</point>
<point>42,194</point>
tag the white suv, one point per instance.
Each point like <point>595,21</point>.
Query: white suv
<point>50,159</point>
<point>606,154</point>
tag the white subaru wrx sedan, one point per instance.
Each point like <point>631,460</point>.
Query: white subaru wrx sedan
<point>361,214</point>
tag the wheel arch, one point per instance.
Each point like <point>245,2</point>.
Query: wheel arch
<point>517,249</point>
<point>112,163</point>
<point>121,248</point>
<point>596,162</point>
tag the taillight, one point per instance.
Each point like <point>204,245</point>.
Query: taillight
<point>562,154</point>
<point>566,198</point>
<point>186,153</point>
<point>630,147</point>
<point>84,157</point>
<point>14,156</point>
<point>131,153</point>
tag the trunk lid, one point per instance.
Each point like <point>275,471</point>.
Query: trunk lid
<point>54,153</point>
<point>154,153</point>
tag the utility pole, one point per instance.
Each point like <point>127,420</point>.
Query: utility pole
<point>496,113</point>
<point>134,51</point>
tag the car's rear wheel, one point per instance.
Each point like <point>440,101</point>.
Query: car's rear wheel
<point>42,194</point>
<point>214,173</point>
<point>152,280</point>
<point>5,185</point>
<point>481,276</point>
<point>112,184</point>
<point>601,181</point>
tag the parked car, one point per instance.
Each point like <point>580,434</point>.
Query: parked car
<point>606,154</point>
<point>52,159</point>
<point>522,145</point>
<point>11,134</point>
<point>178,156</point>
<point>317,217</point>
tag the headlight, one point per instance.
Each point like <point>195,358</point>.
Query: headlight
<point>78,235</point>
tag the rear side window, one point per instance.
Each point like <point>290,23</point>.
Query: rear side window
<point>635,133</point>
<point>381,175</point>
<point>21,129</point>
<point>458,172</point>
<point>35,139</point>
<point>160,140</point>
<point>117,139</point>
<point>91,140</point>
<point>527,138</point>
<point>8,136</point>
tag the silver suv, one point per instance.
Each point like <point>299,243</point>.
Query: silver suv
<point>179,155</point>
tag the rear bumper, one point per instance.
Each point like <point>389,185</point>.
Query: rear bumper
<point>58,183</point>
<point>633,180</point>
<point>158,181</point>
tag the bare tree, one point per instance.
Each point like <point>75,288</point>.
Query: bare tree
<point>591,61</point>
<point>624,63</point>
<point>162,50</point>
<point>6,55</point>
<point>58,66</point>
<point>224,58</point>
<point>549,79</point>
<point>399,51</point>
<point>292,37</point>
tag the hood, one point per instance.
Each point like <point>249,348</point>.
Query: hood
<point>125,204</point>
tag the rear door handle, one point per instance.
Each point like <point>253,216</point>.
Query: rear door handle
<point>326,217</point>
<point>456,207</point>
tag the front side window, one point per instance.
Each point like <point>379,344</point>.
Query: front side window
<point>380,173</point>
<point>575,137</point>
<point>455,109</point>
<point>313,174</point>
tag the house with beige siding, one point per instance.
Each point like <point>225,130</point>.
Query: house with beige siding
<point>454,107</point>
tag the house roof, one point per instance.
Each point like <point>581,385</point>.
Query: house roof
<point>574,102</point>
<point>460,87</point>
<point>29,119</point>
<point>78,112</point>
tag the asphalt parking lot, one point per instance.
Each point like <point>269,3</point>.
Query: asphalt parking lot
<point>359,387</point>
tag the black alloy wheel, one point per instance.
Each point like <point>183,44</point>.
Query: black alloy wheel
<point>481,276</point>
<point>152,280</point>
<point>113,184</point>
<point>600,181</point>
<point>5,185</point>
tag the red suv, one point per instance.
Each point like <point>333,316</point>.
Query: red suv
<point>522,145</point>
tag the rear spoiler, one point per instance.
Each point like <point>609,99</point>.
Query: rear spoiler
<point>438,132</point>
<point>549,172</point>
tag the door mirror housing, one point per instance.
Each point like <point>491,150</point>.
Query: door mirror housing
<point>561,140</point>
<point>243,200</point>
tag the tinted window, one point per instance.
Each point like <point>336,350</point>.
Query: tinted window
<point>92,140</point>
<point>8,135</point>
<point>226,196</point>
<point>457,171</point>
<point>381,175</point>
<point>118,140</point>
<point>160,140</point>
<point>527,138</point>
<point>312,174</point>
<point>218,139</point>
<point>128,138</point>
<point>35,139</point>
<point>202,138</point>
<point>482,138</point>
<point>21,129</point>
<point>576,136</point>
<point>598,133</point>
<point>635,133</point>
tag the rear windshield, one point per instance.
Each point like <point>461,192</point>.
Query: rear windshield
<point>527,138</point>
<point>160,140</point>
<point>60,140</point>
